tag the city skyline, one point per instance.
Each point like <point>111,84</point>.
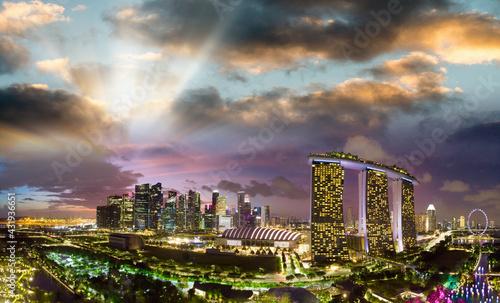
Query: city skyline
<point>97,97</point>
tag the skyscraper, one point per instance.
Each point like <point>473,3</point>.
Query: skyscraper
<point>376,224</point>
<point>114,211</point>
<point>421,222</point>
<point>215,195</point>
<point>404,218</point>
<point>141,206</point>
<point>267,215</point>
<point>181,213</point>
<point>241,209</point>
<point>328,240</point>
<point>155,206</point>
<point>169,212</point>
<point>462,222</point>
<point>220,210</point>
<point>431,218</point>
<point>128,210</point>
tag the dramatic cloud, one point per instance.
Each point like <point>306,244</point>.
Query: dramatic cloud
<point>12,55</point>
<point>280,186</point>
<point>18,18</point>
<point>59,66</point>
<point>485,197</point>
<point>55,143</point>
<point>275,35</point>
<point>455,186</point>
<point>366,148</point>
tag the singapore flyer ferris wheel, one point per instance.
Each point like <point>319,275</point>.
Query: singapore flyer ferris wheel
<point>468,222</point>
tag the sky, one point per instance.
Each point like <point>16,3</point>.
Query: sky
<point>230,95</point>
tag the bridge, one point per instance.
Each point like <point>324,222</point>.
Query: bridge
<point>401,265</point>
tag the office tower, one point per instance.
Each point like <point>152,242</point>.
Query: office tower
<point>421,222</point>
<point>492,224</point>
<point>256,217</point>
<point>141,206</point>
<point>328,240</point>
<point>208,217</point>
<point>215,195</point>
<point>404,230</point>
<point>267,215</point>
<point>241,209</point>
<point>181,213</point>
<point>101,216</point>
<point>374,214</point>
<point>462,222</point>
<point>454,224</point>
<point>220,210</point>
<point>169,212</point>
<point>128,211</point>
<point>248,212</point>
<point>115,214</point>
<point>197,211</point>
<point>431,219</point>
<point>155,206</point>
<point>350,217</point>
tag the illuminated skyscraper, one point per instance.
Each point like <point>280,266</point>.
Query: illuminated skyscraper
<point>420,222</point>
<point>266,215</point>
<point>155,206</point>
<point>141,206</point>
<point>328,240</point>
<point>242,209</point>
<point>220,209</point>
<point>374,213</point>
<point>181,213</point>
<point>462,222</point>
<point>431,218</point>
<point>404,214</point>
<point>169,212</point>
<point>128,210</point>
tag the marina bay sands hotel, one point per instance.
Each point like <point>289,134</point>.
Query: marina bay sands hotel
<point>375,234</point>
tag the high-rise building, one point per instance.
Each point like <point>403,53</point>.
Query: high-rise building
<point>220,210</point>
<point>169,212</point>
<point>215,195</point>
<point>256,216</point>
<point>404,230</point>
<point>350,217</point>
<point>492,224</point>
<point>155,206</point>
<point>462,222</point>
<point>193,211</point>
<point>141,206</point>
<point>181,213</point>
<point>267,216</point>
<point>420,222</point>
<point>128,210</point>
<point>328,239</point>
<point>374,214</point>
<point>241,209</point>
<point>101,216</point>
<point>431,219</point>
<point>114,219</point>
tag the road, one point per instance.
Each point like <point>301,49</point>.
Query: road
<point>435,241</point>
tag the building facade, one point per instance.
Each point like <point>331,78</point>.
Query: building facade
<point>431,219</point>
<point>328,240</point>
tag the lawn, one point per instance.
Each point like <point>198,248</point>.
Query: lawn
<point>245,263</point>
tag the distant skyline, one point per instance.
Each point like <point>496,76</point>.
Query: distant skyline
<point>98,96</point>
